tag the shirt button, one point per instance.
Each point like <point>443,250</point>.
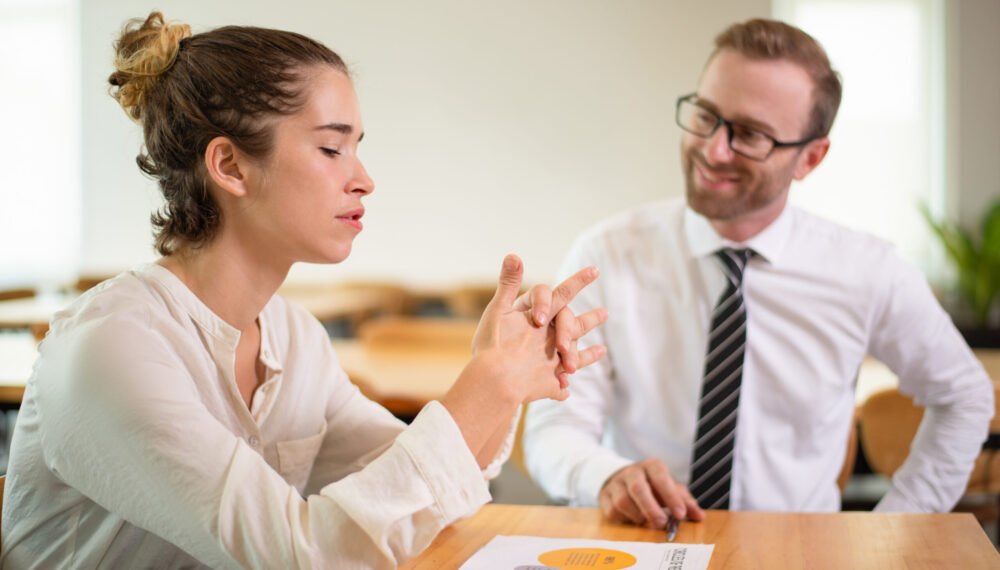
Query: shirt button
<point>253,441</point>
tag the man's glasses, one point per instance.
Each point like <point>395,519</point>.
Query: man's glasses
<point>744,140</point>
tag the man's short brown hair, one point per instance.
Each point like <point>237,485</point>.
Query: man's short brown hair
<point>771,39</point>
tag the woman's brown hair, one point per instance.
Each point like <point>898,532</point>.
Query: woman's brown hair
<point>187,89</point>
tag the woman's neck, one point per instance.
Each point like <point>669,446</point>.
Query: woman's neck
<point>229,280</point>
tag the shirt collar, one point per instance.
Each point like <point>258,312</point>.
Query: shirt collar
<point>769,244</point>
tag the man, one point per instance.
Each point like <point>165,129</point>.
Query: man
<point>738,323</point>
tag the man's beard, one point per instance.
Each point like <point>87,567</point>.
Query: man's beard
<point>751,193</point>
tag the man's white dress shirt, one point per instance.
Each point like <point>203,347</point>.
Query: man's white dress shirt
<point>818,297</point>
<point>135,449</point>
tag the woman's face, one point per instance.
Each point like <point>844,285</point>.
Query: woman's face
<point>305,197</point>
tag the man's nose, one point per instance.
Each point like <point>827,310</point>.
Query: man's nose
<point>717,146</point>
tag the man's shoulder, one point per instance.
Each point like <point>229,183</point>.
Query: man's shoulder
<point>840,240</point>
<point>636,225</point>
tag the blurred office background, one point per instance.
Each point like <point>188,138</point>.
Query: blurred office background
<point>503,127</point>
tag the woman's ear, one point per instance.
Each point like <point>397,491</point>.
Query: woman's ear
<point>226,166</point>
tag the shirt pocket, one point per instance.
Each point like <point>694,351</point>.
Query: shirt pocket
<point>296,458</point>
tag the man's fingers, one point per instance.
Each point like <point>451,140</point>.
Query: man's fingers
<point>568,289</point>
<point>622,505</point>
<point>509,284</point>
<point>694,511</point>
<point>641,492</point>
<point>670,493</point>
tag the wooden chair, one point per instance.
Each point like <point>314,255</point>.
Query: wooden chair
<point>394,299</point>
<point>85,282</point>
<point>410,333</point>
<point>469,301</point>
<point>888,421</point>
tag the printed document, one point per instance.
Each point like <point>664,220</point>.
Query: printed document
<point>538,553</point>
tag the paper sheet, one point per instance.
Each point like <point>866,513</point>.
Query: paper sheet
<point>537,553</point>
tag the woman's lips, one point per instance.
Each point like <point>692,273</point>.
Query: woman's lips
<point>353,218</point>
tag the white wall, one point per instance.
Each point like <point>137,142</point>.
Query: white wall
<point>491,127</point>
<point>975,183</point>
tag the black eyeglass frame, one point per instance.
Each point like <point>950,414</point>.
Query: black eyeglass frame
<point>719,121</point>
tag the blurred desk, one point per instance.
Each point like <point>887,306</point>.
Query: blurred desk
<point>33,313</point>
<point>401,379</point>
<point>745,539</point>
<point>18,353</point>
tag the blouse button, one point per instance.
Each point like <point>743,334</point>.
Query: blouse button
<point>253,441</point>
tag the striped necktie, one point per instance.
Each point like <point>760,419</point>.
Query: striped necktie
<point>712,464</point>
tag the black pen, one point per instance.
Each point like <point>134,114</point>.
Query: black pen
<point>672,525</point>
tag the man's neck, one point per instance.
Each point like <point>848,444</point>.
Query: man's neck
<point>741,228</point>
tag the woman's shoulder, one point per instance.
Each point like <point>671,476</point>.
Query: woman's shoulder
<point>125,297</point>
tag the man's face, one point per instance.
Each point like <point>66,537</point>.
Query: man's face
<point>771,96</point>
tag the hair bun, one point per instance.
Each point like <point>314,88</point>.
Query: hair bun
<point>145,51</point>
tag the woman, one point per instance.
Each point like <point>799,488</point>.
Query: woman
<point>181,415</point>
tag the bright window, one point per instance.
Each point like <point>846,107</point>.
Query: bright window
<point>886,155</point>
<point>40,146</point>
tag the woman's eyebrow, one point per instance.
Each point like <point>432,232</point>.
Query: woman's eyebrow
<point>342,128</point>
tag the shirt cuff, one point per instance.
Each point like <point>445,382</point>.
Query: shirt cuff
<point>435,444</point>
<point>895,502</point>
<point>592,474</point>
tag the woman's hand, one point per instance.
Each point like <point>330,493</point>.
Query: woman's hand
<point>538,302</point>
<point>515,360</point>
<point>513,332</point>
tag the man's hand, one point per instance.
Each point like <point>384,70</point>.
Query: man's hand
<point>642,493</point>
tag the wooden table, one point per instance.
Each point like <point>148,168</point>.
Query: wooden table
<point>33,313</point>
<point>745,539</point>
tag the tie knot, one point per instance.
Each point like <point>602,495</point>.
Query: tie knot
<point>733,262</point>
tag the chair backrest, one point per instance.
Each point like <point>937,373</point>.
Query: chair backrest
<point>394,299</point>
<point>11,294</point>
<point>469,301</point>
<point>85,282</point>
<point>418,333</point>
<point>888,421</point>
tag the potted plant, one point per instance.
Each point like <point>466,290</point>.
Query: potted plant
<point>976,258</point>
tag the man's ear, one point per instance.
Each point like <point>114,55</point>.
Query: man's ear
<point>226,166</point>
<point>811,157</point>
